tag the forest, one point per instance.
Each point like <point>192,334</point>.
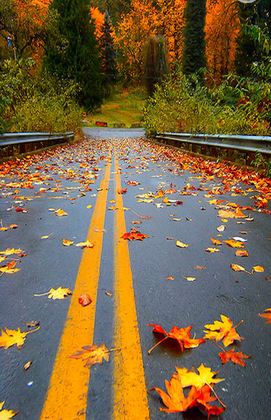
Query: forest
<point>204,65</point>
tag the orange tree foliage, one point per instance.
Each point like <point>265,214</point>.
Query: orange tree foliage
<point>222,30</point>
<point>144,20</point>
<point>98,18</point>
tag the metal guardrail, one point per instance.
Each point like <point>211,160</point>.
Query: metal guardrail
<point>256,144</point>
<point>11,139</point>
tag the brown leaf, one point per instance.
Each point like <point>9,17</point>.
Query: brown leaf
<point>85,300</point>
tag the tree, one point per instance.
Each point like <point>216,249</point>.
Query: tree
<point>24,26</point>
<point>194,36</point>
<point>76,56</point>
<point>108,54</point>
<point>156,65</point>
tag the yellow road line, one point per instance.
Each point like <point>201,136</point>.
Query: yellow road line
<point>68,390</point>
<point>130,396</point>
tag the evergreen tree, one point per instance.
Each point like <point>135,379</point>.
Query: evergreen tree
<point>108,54</point>
<point>76,56</point>
<point>194,37</point>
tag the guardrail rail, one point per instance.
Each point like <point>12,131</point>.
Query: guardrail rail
<point>244,143</point>
<point>17,143</point>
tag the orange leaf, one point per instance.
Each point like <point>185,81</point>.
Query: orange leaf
<point>222,330</point>
<point>134,235</point>
<point>241,253</point>
<point>234,244</point>
<point>92,355</point>
<point>267,315</point>
<point>216,241</point>
<point>233,356</point>
<point>236,267</point>
<point>181,335</point>
<point>258,269</point>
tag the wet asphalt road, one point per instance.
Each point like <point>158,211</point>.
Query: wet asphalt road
<point>63,179</point>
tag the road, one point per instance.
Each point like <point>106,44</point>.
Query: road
<point>170,197</point>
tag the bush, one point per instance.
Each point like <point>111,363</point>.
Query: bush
<point>182,104</point>
<point>46,113</point>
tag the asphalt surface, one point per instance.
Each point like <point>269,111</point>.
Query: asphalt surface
<point>69,178</point>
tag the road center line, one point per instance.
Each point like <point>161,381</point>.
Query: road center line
<point>68,389</point>
<point>130,396</point>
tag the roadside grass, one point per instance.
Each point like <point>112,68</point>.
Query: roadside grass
<point>122,108</point>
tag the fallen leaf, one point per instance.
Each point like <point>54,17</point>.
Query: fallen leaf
<point>92,355</point>
<point>241,253</point>
<point>212,250</point>
<point>175,400</point>
<point>222,330</point>
<point>86,244</point>
<point>26,367</point>
<point>60,213</point>
<point>6,414</point>
<point>237,267</point>
<point>122,191</point>
<point>85,300</point>
<point>134,235</point>
<point>200,267</point>
<point>205,376</point>
<point>190,278</point>
<point>11,251</point>
<point>234,244</point>
<point>266,315</point>
<point>221,228</point>
<point>170,278</point>
<point>258,269</point>
<point>216,241</point>
<point>9,338</point>
<point>233,356</point>
<point>181,335</point>
<point>59,293</point>
<point>9,268</point>
<point>67,242</point>
<point>182,244</point>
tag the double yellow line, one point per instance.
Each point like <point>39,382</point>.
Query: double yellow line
<point>67,396</point>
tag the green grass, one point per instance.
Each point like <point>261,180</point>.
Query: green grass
<point>123,107</point>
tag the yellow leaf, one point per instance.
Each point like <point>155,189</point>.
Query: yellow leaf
<point>89,206</point>
<point>205,376</point>
<point>67,242</point>
<point>9,338</point>
<point>92,355</point>
<point>181,244</point>
<point>241,253</point>
<point>190,278</point>
<point>236,267</point>
<point>212,250</point>
<point>86,244</point>
<point>234,244</point>
<point>60,213</point>
<point>216,241</point>
<point>59,293</point>
<point>220,228</point>
<point>11,251</point>
<point>6,414</point>
<point>222,330</point>
<point>258,269</point>
<point>2,259</point>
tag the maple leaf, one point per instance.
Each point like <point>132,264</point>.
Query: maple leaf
<point>9,338</point>
<point>92,355</point>
<point>204,377</point>
<point>233,356</point>
<point>86,244</point>
<point>182,244</point>
<point>266,315</point>
<point>234,244</point>
<point>9,268</point>
<point>122,191</point>
<point>181,335</point>
<point>6,414</point>
<point>60,213</point>
<point>134,235</point>
<point>222,330</point>
<point>175,400</point>
<point>59,293</point>
<point>85,300</point>
<point>229,214</point>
